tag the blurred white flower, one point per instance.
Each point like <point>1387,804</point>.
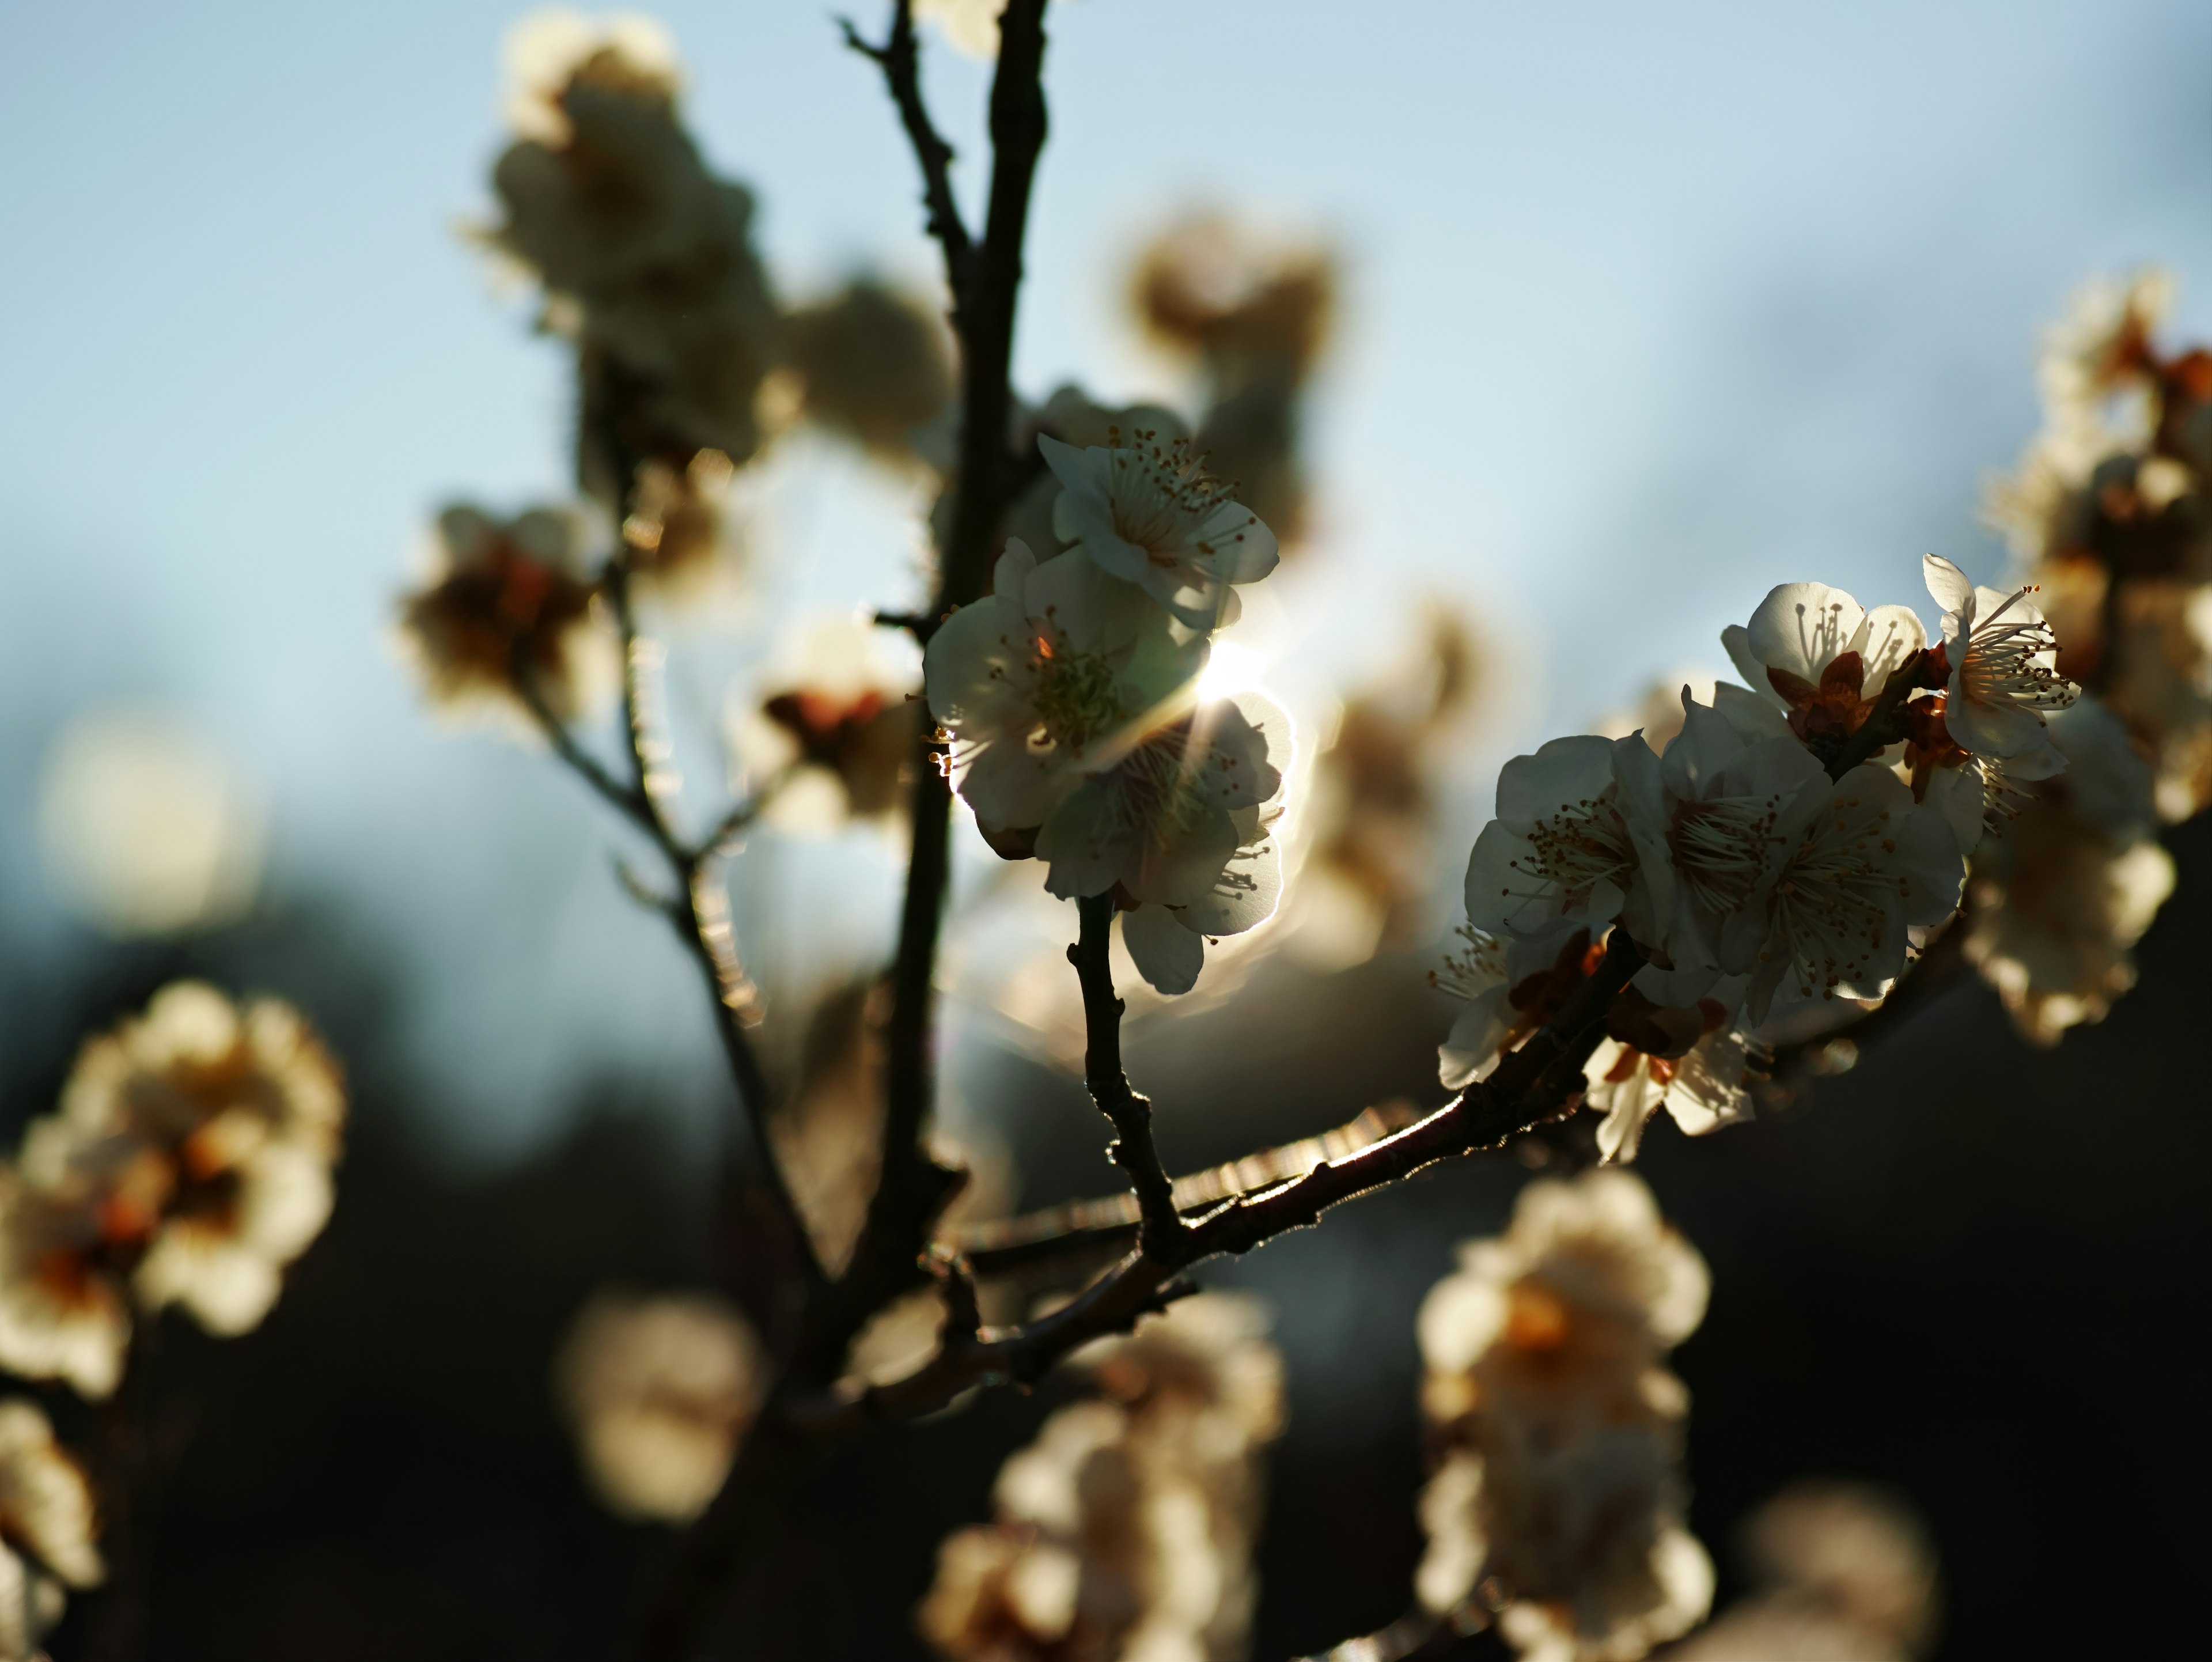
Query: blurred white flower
<point>2059,900</point>
<point>1125,1529</point>
<point>146,829</point>
<point>1842,1572</point>
<point>1149,513</point>
<point>658,1392</point>
<point>190,1161</point>
<point>1560,1489</point>
<point>47,1529</point>
<point>969,26</point>
<point>2004,670</point>
<point>504,597</point>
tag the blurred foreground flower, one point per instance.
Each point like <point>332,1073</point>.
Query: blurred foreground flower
<point>1558,1497</point>
<point>658,1392</point>
<point>1376,794</point>
<point>503,599</point>
<point>189,1162</point>
<point>46,1528</point>
<point>1843,1574</point>
<point>1127,1528</point>
<point>145,828</point>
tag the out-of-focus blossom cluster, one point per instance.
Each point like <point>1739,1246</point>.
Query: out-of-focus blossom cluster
<point>1557,1498</point>
<point>1126,1529</point>
<point>1070,698</point>
<point>1840,1572</point>
<point>189,1163</point>
<point>2108,514</point>
<point>658,1392</point>
<point>1371,814</point>
<point>506,612</point>
<point>1781,858</point>
<point>689,367</point>
<point>646,257</point>
<point>48,1532</point>
<point>1253,314</point>
<point>835,713</point>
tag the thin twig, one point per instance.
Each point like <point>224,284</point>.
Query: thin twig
<point>1107,1226</point>
<point>1129,1113</point>
<point>1532,1084</point>
<point>698,910</point>
<point>901,65</point>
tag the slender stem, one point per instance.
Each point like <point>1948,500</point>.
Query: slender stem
<point>901,65</point>
<point>1086,1229</point>
<point>1129,1113</point>
<point>699,912</point>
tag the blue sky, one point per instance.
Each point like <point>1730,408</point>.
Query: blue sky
<point>1650,308</point>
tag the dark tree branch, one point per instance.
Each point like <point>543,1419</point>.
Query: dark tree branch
<point>1533,1084</point>
<point>913,1187</point>
<point>1130,1114</point>
<point>901,65</point>
<point>1085,1229</point>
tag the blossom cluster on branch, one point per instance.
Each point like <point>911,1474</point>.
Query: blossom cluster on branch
<point>1649,917</point>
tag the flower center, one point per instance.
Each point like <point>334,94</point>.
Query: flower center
<point>1830,918</point>
<point>1076,698</point>
<point>2012,661</point>
<point>1156,786</point>
<point>1583,844</point>
<point>1161,494</point>
<point>1721,847</point>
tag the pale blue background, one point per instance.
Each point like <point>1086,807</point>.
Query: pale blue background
<point>1651,307</point>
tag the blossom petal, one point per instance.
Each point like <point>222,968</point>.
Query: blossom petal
<point>1800,628</point>
<point>1890,635</point>
<point>1166,953</point>
<point>1949,586</point>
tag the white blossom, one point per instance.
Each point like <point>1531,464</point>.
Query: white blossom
<point>2004,670</point>
<point>1800,629</point>
<point>1510,984</point>
<point>1716,800</point>
<point>1150,513</point>
<point>1055,673</point>
<point>1862,864</point>
<point>1705,1085</point>
<point>1563,848</point>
